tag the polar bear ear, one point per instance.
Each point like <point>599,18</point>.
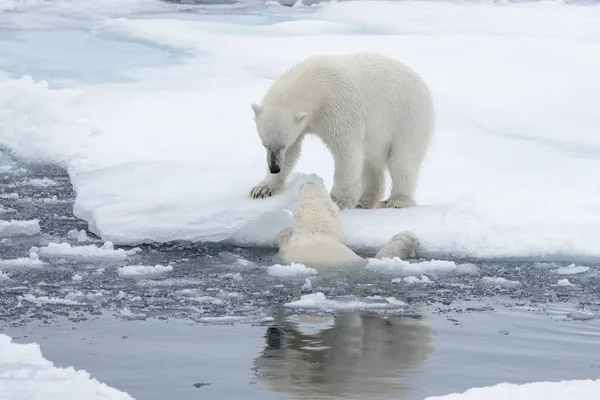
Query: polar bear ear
<point>300,117</point>
<point>256,108</point>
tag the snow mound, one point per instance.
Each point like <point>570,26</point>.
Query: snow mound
<point>143,271</point>
<point>32,261</point>
<point>398,267</point>
<point>318,301</point>
<point>19,228</point>
<point>575,390</point>
<point>290,270</point>
<point>90,252</point>
<point>26,374</point>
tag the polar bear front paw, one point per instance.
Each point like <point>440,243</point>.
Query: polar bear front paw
<point>397,202</point>
<point>265,189</point>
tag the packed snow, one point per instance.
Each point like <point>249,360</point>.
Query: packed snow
<point>514,170</point>
<point>575,389</point>
<point>143,271</point>
<point>290,270</point>
<point>89,252</point>
<point>19,228</point>
<point>26,374</point>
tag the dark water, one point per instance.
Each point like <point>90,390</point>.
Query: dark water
<point>217,326</point>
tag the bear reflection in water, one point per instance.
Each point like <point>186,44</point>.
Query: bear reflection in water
<point>357,356</point>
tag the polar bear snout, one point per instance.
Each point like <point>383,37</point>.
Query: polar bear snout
<point>275,159</point>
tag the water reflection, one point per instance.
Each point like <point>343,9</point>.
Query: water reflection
<point>351,356</point>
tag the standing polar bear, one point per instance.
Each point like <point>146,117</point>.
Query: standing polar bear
<point>371,111</point>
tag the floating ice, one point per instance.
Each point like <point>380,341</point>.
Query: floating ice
<point>19,228</point>
<point>564,282</point>
<point>412,279</point>
<point>572,269</point>
<point>32,261</point>
<point>582,315</point>
<point>26,374</point>
<point>575,389</point>
<point>293,269</point>
<point>42,300</point>
<point>399,267</point>
<point>499,282</point>
<point>90,252</point>
<point>318,301</point>
<point>143,271</point>
<point>41,182</point>
<point>76,278</point>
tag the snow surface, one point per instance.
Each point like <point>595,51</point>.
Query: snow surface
<point>167,149</point>
<point>26,375</point>
<point>290,270</point>
<point>19,228</point>
<point>90,252</point>
<point>575,389</point>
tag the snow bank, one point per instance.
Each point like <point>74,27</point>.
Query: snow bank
<point>32,261</point>
<point>290,270</point>
<point>575,389</point>
<point>26,374</point>
<point>143,271</point>
<point>90,252</point>
<point>318,301</point>
<point>399,267</point>
<point>19,228</point>
<point>171,154</point>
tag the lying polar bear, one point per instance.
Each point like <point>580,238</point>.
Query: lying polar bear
<point>315,236</point>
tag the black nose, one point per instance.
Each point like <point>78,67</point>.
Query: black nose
<point>274,169</point>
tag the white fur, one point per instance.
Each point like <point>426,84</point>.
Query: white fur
<point>315,237</point>
<point>371,111</point>
<point>403,245</point>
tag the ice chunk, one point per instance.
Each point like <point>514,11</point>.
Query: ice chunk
<point>575,389</point>
<point>26,374</point>
<point>499,282</point>
<point>42,300</point>
<point>19,228</point>
<point>399,267</point>
<point>412,279</point>
<point>293,269</point>
<point>318,301</point>
<point>572,269</point>
<point>32,261</point>
<point>144,271</point>
<point>90,252</point>
<point>564,282</point>
<point>76,278</point>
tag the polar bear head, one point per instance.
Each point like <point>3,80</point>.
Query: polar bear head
<point>316,213</point>
<point>278,128</point>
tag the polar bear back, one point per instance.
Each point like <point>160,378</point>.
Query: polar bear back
<point>384,94</point>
